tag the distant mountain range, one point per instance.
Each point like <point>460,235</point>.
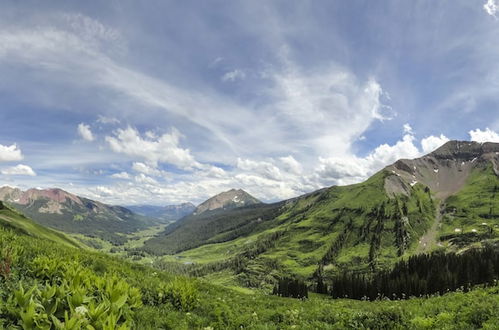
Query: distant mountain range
<point>448,199</point>
<point>67,212</point>
<point>169,213</point>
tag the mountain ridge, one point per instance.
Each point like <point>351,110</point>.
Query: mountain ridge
<point>67,212</point>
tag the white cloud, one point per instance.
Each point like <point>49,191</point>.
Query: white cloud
<point>10,153</point>
<point>491,7</point>
<point>19,170</point>
<point>486,135</point>
<point>408,129</point>
<point>291,164</point>
<point>121,175</point>
<point>164,149</point>
<point>107,120</point>
<point>85,132</point>
<point>146,169</point>
<point>431,143</point>
<point>144,179</point>
<point>234,75</point>
<point>265,169</point>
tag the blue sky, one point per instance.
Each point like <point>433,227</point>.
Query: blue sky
<point>162,102</point>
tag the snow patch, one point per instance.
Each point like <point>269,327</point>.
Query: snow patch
<point>435,170</point>
<point>413,183</point>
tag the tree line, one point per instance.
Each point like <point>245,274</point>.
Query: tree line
<point>420,275</point>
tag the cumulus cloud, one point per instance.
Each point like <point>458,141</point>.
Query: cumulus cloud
<point>486,135</point>
<point>491,7</point>
<point>265,169</point>
<point>146,169</point>
<point>10,153</point>
<point>291,164</point>
<point>121,175</point>
<point>144,179</point>
<point>431,143</point>
<point>85,132</point>
<point>19,170</point>
<point>234,75</point>
<point>164,149</point>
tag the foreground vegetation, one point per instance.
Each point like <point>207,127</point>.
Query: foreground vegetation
<point>46,285</point>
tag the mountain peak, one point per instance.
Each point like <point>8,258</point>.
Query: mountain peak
<point>464,150</point>
<point>227,200</point>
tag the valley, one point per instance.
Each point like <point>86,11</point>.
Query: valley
<point>441,209</point>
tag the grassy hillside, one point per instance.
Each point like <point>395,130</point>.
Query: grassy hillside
<point>12,219</point>
<point>472,215</point>
<point>47,285</point>
<point>357,227</point>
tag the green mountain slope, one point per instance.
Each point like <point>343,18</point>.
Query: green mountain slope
<point>13,220</point>
<point>410,207</point>
<point>46,285</point>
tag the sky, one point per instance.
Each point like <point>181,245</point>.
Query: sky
<point>163,102</point>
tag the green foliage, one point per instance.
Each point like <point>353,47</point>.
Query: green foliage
<point>54,286</point>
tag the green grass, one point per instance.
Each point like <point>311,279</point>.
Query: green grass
<point>12,219</point>
<point>133,296</point>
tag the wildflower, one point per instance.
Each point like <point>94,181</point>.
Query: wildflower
<point>81,310</point>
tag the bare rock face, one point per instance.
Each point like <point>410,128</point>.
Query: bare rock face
<point>227,200</point>
<point>10,194</point>
<point>444,170</point>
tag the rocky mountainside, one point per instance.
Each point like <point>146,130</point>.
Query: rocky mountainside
<point>448,199</point>
<point>67,212</point>
<point>169,213</point>
<point>227,200</point>
<point>446,170</point>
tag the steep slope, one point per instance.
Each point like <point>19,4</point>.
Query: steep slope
<point>64,211</point>
<point>169,213</point>
<point>227,200</point>
<point>446,199</point>
<point>13,220</point>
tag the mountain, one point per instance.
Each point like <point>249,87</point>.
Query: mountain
<point>223,212</point>
<point>69,213</point>
<point>227,200</point>
<point>444,200</point>
<point>169,213</point>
